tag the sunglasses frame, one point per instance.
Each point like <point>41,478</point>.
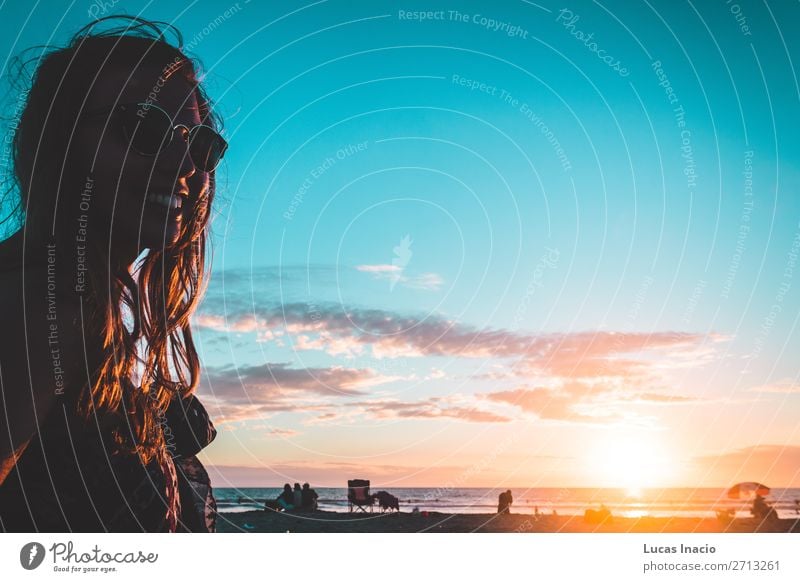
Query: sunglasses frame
<point>190,131</point>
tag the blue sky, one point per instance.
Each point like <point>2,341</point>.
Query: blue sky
<point>540,194</point>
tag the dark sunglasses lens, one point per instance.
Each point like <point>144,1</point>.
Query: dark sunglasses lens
<point>206,147</point>
<point>147,129</point>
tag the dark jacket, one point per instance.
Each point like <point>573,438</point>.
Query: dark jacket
<point>72,477</point>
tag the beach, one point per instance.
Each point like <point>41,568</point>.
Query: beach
<point>260,521</point>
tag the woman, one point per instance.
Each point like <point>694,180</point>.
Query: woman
<point>309,498</point>
<point>113,161</point>
<point>286,498</point>
<point>297,496</point>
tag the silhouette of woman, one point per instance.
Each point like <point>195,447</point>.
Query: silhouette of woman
<point>113,159</point>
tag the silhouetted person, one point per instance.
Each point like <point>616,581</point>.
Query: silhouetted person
<point>286,498</point>
<point>309,498</point>
<point>759,506</point>
<point>762,510</point>
<point>298,496</point>
<point>112,166</point>
<point>504,500</point>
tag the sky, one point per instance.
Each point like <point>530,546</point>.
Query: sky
<point>495,244</point>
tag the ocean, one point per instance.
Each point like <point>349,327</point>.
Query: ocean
<point>676,502</point>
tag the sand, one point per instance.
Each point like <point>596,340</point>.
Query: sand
<point>323,521</point>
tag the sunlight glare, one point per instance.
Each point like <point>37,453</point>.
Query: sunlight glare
<point>633,463</point>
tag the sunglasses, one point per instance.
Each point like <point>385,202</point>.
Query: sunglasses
<point>149,129</point>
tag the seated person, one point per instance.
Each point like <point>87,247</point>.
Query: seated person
<point>309,498</point>
<point>286,498</point>
<point>762,510</point>
<point>297,496</point>
<point>726,515</point>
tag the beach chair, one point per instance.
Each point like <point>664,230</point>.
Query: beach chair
<point>358,495</point>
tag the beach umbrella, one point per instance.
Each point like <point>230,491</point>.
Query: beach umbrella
<point>744,490</point>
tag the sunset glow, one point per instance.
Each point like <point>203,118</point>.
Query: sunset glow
<point>633,463</point>
<point>446,254</point>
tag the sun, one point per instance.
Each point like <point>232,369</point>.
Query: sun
<point>635,492</point>
<point>632,462</point>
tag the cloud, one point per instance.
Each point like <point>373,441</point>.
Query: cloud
<point>396,274</point>
<point>241,324</point>
<point>225,412</point>
<point>379,268</point>
<point>281,432</point>
<point>279,378</point>
<point>350,332</point>
<point>423,281</point>
<point>773,465</point>
<point>583,376</point>
<point>248,392</point>
<point>333,474</point>
<point>546,403</point>
<point>784,386</point>
<point>330,344</point>
<point>426,409</point>
<point>464,408</point>
<point>662,398</point>
<point>572,400</point>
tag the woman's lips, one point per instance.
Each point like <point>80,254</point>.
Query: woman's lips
<point>166,200</point>
<point>165,205</point>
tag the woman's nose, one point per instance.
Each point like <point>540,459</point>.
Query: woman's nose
<point>187,167</point>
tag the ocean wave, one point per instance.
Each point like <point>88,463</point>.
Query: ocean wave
<point>672,502</point>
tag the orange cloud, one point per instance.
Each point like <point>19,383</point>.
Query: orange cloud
<point>600,354</point>
<point>570,401</point>
<point>773,465</point>
<point>247,392</point>
<point>785,386</point>
<point>429,408</point>
<point>331,474</point>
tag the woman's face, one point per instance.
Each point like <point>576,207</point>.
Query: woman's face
<point>137,201</point>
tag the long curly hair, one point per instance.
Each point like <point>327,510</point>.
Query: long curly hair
<point>139,318</point>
